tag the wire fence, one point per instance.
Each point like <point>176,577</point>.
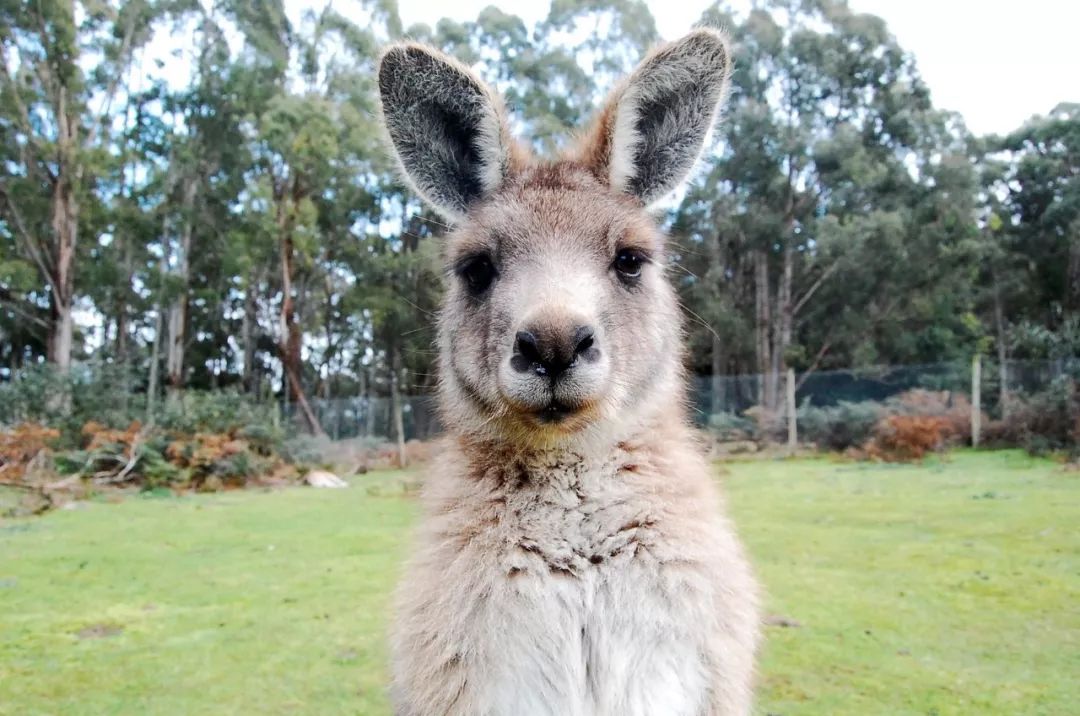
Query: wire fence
<point>719,400</point>
<point>372,417</point>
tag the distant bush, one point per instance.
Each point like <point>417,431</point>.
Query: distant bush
<point>952,409</point>
<point>730,427</point>
<point>152,457</point>
<point>1044,422</point>
<point>222,411</point>
<point>216,460</point>
<point>840,426</point>
<point>21,445</point>
<point>109,397</point>
<point>903,438</point>
<point>103,393</point>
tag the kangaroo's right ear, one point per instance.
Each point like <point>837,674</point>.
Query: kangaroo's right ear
<point>448,128</point>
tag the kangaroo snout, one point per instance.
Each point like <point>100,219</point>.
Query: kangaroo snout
<point>551,350</point>
<point>557,364</point>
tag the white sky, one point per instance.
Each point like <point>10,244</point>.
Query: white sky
<point>996,63</point>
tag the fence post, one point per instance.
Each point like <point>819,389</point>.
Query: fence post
<point>792,422</point>
<point>976,399</point>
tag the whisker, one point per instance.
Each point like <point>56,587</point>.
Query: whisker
<point>701,321</point>
<point>432,221</point>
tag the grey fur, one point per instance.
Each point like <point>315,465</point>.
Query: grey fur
<point>664,113</point>
<point>582,567</point>
<point>446,126</point>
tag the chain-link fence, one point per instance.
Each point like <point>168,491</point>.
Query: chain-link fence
<point>723,402</point>
<point>373,417</point>
<point>736,394</point>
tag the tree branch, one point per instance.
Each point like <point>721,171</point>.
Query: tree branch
<point>30,244</point>
<point>24,120</point>
<point>12,305</point>
<point>815,363</point>
<point>813,289</point>
<point>114,83</point>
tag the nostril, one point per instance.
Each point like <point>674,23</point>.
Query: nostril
<point>527,346</point>
<point>552,352</point>
<point>584,339</point>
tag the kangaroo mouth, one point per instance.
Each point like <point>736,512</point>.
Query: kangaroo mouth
<point>556,412</point>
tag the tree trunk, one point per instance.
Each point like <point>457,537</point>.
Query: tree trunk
<point>159,326</point>
<point>155,359</point>
<point>123,302</point>
<point>396,403</point>
<point>247,331</point>
<point>65,221</point>
<point>718,399</point>
<point>763,329</point>
<point>785,317</point>
<point>177,322</point>
<point>61,338</point>
<point>715,275</point>
<point>65,229</point>
<point>291,338</point>
<point>369,403</point>
<point>1002,351</point>
<point>1072,278</point>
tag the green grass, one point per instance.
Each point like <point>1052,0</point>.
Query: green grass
<point>950,588</point>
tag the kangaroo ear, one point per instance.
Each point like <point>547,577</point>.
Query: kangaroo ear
<point>447,127</point>
<point>653,127</point>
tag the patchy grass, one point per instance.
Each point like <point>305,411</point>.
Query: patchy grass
<point>949,588</point>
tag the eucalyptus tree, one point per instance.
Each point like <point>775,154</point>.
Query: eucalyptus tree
<point>1041,208</point>
<point>62,69</point>
<point>819,163</point>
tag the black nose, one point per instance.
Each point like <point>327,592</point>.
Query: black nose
<point>551,351</point>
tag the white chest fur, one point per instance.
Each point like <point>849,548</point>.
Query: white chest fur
<point>568,591</point>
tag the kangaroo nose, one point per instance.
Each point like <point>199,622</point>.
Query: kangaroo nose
<point>553,351</point>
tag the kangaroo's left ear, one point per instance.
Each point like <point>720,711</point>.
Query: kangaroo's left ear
<point>653,127</point>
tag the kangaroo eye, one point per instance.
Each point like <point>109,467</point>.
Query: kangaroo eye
<point>477,272</point>
<point>628,263</point>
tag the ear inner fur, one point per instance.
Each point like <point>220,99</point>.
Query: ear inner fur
<point>446,125</point>
<point>652,129</point>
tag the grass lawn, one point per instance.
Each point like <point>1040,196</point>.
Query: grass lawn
<point>950,588</point>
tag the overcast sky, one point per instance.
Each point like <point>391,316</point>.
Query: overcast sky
<point>996,63</point>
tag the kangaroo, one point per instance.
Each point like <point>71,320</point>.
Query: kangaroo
<point>574,559</point>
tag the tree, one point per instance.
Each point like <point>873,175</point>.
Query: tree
<point>56,119</point>
<point>823,161</point>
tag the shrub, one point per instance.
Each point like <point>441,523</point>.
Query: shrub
<point>216,459</point>
<point>952,408</point>
<point>908,437</point>
<point>100,392</point>
<point>21,445</point>
<point>1044,422</point>
<point>729,426</point>
<point>223,411</point>
<point>840,426</point>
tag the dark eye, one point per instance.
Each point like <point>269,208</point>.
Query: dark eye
<point>477,272</point>
<point>628,263</point>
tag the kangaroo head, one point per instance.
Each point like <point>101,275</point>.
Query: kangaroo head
<point>558,319</point>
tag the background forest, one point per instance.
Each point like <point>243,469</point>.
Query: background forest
<point>195,196</point>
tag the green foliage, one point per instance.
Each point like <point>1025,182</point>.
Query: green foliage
<point>223,411</point>
<point>1030,340</point>
<point>728,426</point>
<point>101,393</point>
<point>840,426</point>
<point>1045,422</point>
